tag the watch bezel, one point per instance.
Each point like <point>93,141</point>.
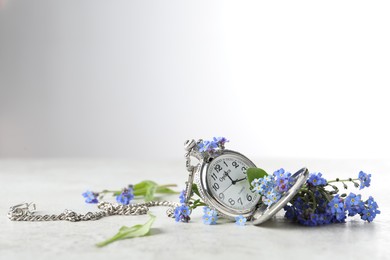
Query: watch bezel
<point>210,199</point>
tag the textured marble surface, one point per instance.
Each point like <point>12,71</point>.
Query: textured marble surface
<point>55,185</point>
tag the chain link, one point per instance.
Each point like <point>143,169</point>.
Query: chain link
<point>25,211</point>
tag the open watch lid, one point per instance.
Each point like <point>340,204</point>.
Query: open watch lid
<point>264,213</point>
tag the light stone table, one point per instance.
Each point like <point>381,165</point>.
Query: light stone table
<point>55,185</point>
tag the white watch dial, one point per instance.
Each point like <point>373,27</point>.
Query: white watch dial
<point>227,182</point>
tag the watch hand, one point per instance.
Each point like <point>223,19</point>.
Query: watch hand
<point>227,188</point>
<point>238,180</point>
<point>227,174</point>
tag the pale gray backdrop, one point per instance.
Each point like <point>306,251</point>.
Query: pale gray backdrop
<point>136,78</point>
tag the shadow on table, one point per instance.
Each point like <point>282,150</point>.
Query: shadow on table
<point>284,224</point>
<point>155,231</point>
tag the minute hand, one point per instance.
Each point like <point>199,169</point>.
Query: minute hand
<point>238,180</point>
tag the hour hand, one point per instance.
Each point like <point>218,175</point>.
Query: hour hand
<point>227,174</point>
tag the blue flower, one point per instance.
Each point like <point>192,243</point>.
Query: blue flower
<point>336,205</point>
<point>210,216</point>
<point>209,212</point>
<point>274,197</point>
<point>267,183</point>
<point>268,180</point>
<point>210,220</point>
<point>240,220</point>
<point>182,213</point>
<point>126,196</point>
<point>316,179</point>
<point>303,213</point>
<point>267,201</point>
<point>271,190</point>
<point>220,141</point>
<point>352,200</point>
<point>365,179</point>
<point>257,188</point>
<point>315,219</point>
<point>368,215</point>
<point>264,188</point>
<point>354,204</point>
<point>290,212</point>
<point>323,219</point>
<point>90,197</point>
<point>211,146</point>
<point>207,146</point>
<point>182,196</point>
<point>263,185</point>
<point>282,174</point>
<point>255,182</point>
<point>340,216</point>
<point>370,211</point>
<point>372,205</point>
<point>203,146</point>
<point>310,220</point>
<point>302,210</point>
<point>283,184</point>
<point>279,173</point>
<point>300,205</point>
<point>283,180</point>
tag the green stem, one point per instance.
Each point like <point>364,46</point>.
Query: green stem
<point>110,240</point>
<point>167,185</point>
<point>109,191</point>
<point>337,180</point>
<point>312,197</point>
<point>197,205</point>
<point>142,191</point>
<point>325,194</point>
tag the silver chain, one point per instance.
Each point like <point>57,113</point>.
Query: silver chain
<point>25,211</point>
<point>189,147</point>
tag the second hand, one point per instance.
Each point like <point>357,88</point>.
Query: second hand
<point>227,188</point>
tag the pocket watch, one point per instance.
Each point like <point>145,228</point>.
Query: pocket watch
<point>220,177</point>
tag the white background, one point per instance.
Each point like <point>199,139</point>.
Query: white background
<point>134,79</point>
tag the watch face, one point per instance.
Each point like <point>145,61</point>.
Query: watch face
<point>227,182</point>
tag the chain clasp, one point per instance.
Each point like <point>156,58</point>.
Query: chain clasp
<point>22,209</point>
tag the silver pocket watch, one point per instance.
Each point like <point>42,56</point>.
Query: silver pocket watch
<point>220,177</point>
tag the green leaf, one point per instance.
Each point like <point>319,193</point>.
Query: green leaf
<point>197,203</point>
<point>130,232</point>
<point>116,193</point>
<point>150,191</point>
<point>165,190</point>
<point>195,189</point>
<point>255,173</point>
<point>144,185</point>
<point>145,188</point>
